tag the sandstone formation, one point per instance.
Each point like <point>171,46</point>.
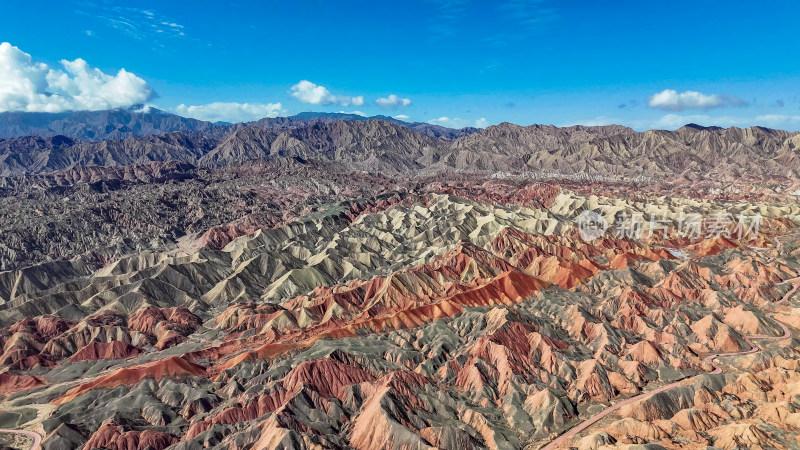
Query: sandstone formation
<point>265,287</point>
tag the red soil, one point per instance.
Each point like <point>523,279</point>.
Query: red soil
<point>170,367</point>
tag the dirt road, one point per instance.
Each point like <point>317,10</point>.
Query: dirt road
<point>37,440</point>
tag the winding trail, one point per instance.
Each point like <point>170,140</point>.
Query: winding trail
<point>564,438</point>
<point>37,439</point>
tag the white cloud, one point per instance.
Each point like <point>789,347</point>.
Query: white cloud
<point>392,102</point>
<point>671,100</point>
<point>402,117</point>
<point>145,109</point>
<point>308,92</point>
<point>26,85</point>
<point>455,122</point>
<point>141,24</point>
<point>777,120</point>
<point>448,122</point>
<point>230,111</point>
<point>358,113</point>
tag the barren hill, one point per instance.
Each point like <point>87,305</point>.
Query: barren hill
<point>380,146</point>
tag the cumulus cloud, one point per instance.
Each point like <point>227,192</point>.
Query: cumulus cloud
<point>308,92</point>
<point>356,112</point>
<point>777,120</point>
<point>392,102</point>
<point>455,122</point>
<point>401,117</point>
<point>672,100</point>
<point>230,111</point>
<point>26,85</point>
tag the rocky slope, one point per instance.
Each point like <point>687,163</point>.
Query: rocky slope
<point>312,282</point>
<point>139,121</point>
<point>136,121</point>
<point>441,315</point>
<point>310,118</point>
<point>609,153</point>
<point>104,212</point>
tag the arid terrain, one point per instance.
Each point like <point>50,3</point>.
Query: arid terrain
<point>328,282</point>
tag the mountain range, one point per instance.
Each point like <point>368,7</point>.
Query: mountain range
<point>458,312</point>
<point>337,281</point>
<point>141,121</point>
<point>382,144</point>
<point>122,123</point>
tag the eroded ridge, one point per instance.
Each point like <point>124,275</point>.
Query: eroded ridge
<point>449,317</point>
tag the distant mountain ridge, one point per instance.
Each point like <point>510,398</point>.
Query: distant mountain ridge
<point>394,149</point>
<point>141,121</point>
<point>121,123</point>
<point>306,118</point>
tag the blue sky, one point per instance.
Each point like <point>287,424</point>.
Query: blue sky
<point>642,64</point>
